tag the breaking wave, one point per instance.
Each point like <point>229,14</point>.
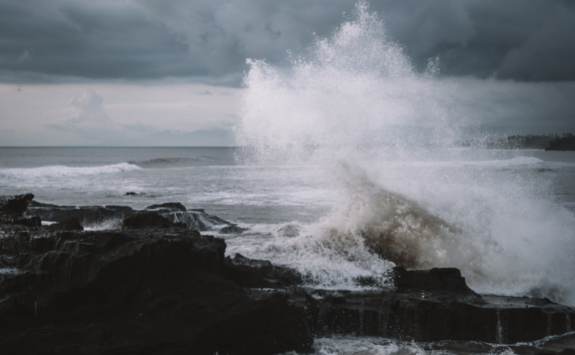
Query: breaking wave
<point>174,161</point>
<point>62,171</point>
<point>407,194</point>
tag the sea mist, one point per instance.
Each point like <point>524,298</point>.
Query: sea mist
<point>388,140</point>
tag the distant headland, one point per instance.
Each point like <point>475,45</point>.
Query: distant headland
<point>563,142</point>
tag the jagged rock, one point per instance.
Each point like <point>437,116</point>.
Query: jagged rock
<point>69,224</point>
<point>87,215</point>
<point>436,279</point>
<point>147,219</point>
<point>194,219</point>
<point>119,209</point>
<point>29,222</point>
<point>232,228</point>
<point>130,193</point>
<point>133,293</point>
<point>168,205</point>
<point>111,216</point>
<point>15,206</point>
<point>34,203</point>
<point>434,316</point>
<point>260,273</point>
<point>172,291</point>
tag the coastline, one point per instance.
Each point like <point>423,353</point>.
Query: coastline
<point>154,285</point>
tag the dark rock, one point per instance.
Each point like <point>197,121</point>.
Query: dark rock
<point>232,229</point>
<point>567,142</point>
<point>437,279</point>
<point>260,273</point>
<point>34,203</point>
<point>69,224</point>
<point>168,205</point>
<point>15,206</point>
<point>433,316</point>
<point>119,209</point>
<point>197,220</point>
<point>147,219</point>
<point>130,193</point>
<point>87,215</point>
<point>111,216</point>
<point>172,291</point>
<point>29,222</point>
<point>133,293</point>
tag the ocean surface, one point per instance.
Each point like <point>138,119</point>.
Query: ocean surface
<point>313,216</point>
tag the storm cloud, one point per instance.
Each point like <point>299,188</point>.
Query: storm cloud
<point>210,39</point>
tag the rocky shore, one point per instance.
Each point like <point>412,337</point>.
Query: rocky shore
<point>150,283</point>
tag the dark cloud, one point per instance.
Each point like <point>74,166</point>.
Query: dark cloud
<point>145,39</point>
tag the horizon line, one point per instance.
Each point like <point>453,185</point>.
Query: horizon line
<point>115,146</point>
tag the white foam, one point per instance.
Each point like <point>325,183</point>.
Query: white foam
<point>325,260</point>
<point>348,345</point>
<point>387,135</point>
<point>56,171</point>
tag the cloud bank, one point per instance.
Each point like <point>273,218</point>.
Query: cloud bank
<point>211,39</point>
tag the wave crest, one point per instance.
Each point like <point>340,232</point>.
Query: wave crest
<point>63,171</point>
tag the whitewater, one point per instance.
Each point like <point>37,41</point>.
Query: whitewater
<point>407,195</point>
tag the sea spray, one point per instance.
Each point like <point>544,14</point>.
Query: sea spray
<point>355,91</point>
<point>408,194</point>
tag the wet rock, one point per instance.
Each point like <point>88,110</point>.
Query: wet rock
<point>130,193</point>
<point>232,229</point>
<point>69,224</point>
<point>131,292</point>
<point>168,205</point>
<point>147,219</point>
<point>29,222</point>
<point>119,209</point>
<point>158,287</point>
<point>34,203</point>
<point>16,206</point>
<point>111,216</point>
<point>440,315</point>
<point>260,273</point>
<point>194,219</point>
<point>87,215</point>
<point>436,279</point>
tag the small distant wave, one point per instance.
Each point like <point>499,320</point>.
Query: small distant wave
<point>508,162</point>
<point>173,161</point>
<point>67,171</point>
<point>503,163</point>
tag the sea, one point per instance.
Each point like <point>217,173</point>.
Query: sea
<point>349,147</point>
<point>314,217</point>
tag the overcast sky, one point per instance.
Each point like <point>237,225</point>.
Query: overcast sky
<point>144,72</point>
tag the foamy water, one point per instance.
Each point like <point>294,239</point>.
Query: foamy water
<point>386,135</point>
<point>349,164</point>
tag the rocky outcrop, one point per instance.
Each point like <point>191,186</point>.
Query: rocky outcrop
<point>567,142</point>
<point>163,292</point>
<point>432,316</point>
<point>168,205</point>
<point>69,224</point>
<point>260,273</point>
<point>160,288</point>
<point>86,215</point>
<point>147,219</point>
<point>436,279</point>
<point>110,217</point>
<point>16,206</point>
